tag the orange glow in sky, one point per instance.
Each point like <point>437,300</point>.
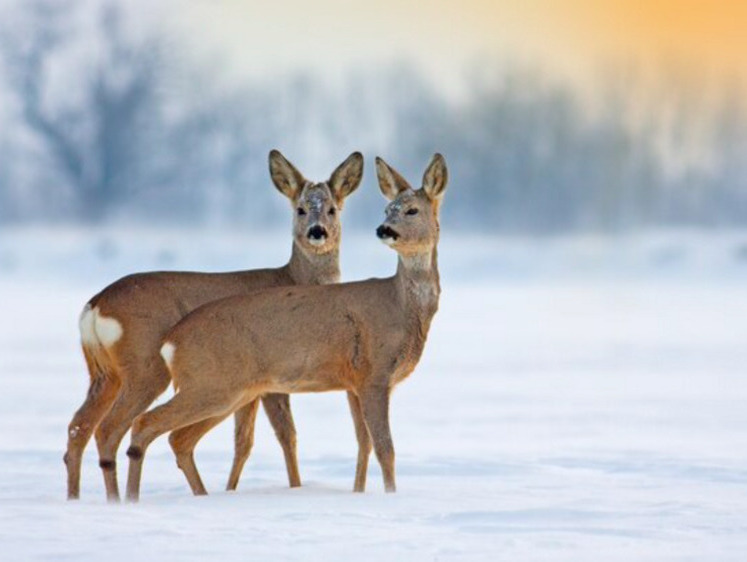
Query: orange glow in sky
<point>571,36</point>
<point>705,32</point>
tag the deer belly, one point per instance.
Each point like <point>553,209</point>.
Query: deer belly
<point>312,382</point>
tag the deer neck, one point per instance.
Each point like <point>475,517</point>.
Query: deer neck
<point>314,269</point>
<point>419,286</point>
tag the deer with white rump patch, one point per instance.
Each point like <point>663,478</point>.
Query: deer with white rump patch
<point>363,337</point>
<point>122,328</point>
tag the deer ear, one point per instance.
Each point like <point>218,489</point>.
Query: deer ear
<point>286,178</point>
<point>347,177</point>
<point>435,178</point>
<point>390,182</point>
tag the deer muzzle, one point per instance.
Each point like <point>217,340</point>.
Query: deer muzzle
<point>385,232</point>
<point>317,234</point>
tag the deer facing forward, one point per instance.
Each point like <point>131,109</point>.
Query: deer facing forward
<point>363,337</point>
<point>122,328</point>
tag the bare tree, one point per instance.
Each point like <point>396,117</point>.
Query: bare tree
<point>96,143</point>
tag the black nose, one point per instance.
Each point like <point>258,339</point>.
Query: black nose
<point>385,231</point>
<point>317,232</point>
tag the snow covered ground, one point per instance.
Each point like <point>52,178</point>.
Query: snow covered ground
<point>579,399</point>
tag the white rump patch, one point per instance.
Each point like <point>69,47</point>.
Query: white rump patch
<point>167,352</point>
<point>86,324</point>
<point>108,330</point>
<point>96,329</point>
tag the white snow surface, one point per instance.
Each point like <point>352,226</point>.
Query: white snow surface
<point>578,399</point>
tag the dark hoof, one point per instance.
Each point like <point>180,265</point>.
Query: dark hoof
<point>135,453</point>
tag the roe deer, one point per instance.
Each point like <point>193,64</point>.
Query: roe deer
<point>363,337</point>
<point>122,328</point>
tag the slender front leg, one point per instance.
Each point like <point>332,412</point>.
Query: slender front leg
<point>364,442</point>
<point>375,403</point>
<point>244,419</point>
<point>277,408</point>
<point>183,442</point>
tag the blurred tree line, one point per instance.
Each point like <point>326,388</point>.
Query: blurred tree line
<point>101,123</point>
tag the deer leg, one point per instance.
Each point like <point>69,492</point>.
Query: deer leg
<point>277,408</point>
<point>244,419</point>
<point>375,403</point>
<point>101,394</point>
<point>364,442</point>
<point>183,442</point>
<point>141,388</point>
<point>183,409</point>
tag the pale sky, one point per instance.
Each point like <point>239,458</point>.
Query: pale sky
<point>571,37</point>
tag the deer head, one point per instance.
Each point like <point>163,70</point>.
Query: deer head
<point>317,206</point>
<point>411,225</point>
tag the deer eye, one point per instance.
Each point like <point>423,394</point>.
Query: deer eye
<point>412,211</point>
<point>332,211</point>
<point>300,212</point>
